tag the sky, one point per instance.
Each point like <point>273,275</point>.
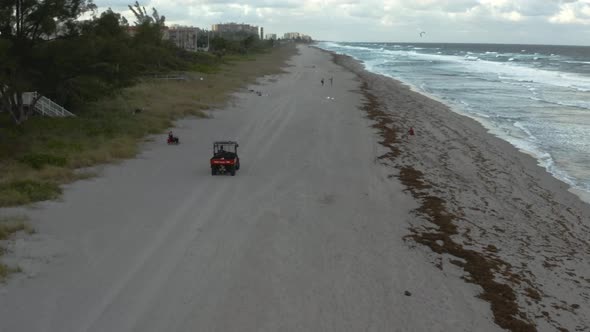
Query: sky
<point>559,22</point>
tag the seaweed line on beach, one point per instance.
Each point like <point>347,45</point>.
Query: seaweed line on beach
<point>503,205</point>
<point>482,269</point>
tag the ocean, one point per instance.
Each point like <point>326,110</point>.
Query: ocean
<point>537,97</point>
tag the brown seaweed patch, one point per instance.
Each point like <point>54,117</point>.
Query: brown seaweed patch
<point>533,294</point>
<point>481,268</point>
<point>382,122</point>
<point>412,178</point>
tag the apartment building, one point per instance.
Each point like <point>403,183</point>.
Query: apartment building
<point>291,35</point>
<point>297,36</point>
<point>183,37</point>
<point>230,30</point>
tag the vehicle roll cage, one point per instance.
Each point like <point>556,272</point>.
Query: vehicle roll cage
<point>231,145</point>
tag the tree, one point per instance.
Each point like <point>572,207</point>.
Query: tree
<point>249,42</point>
<point>156,53</point>
<point>24,25</point>
<point>142,16</point>
<point>96,61</point>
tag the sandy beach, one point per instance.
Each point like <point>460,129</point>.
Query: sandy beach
<point>522,224</point>
<point>337,221</point>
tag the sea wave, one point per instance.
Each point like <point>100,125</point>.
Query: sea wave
<point>521,73</point>
<point>529,101</point>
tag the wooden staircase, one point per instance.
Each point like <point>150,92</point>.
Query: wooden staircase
<point>45,106</point>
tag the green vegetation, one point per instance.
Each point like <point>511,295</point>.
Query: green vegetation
<point>109,79</point>
<point>25,191</point>
<point>39,155</point>
<point>39,160</point>
<point>9,226</point>
<point>45,48</point>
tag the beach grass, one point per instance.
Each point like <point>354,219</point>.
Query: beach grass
<point>39,156</point>
<point>9,226</point>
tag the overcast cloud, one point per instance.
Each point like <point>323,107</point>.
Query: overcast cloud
<point>473,21</point>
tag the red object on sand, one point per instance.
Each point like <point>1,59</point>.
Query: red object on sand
<point>411,131</point>
<point>225,158</point>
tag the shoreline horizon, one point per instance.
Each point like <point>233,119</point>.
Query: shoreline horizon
<point>494,207</point>
<point>581,193</point>
<point>446,43</point>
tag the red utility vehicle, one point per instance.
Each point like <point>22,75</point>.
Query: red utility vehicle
<point>225,158</point>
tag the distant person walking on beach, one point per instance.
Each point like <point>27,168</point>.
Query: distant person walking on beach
<point>331,80</point>
<point>322,81</point>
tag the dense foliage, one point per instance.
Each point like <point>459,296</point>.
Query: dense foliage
<point>44,47</point>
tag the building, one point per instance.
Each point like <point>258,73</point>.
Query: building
<point>291,35</point>
<point>297,36</point>
<point>271,36</point>
<point>261,33</point>
<point>233,28</point>
<point>132,31</point>
<point>184,37</point>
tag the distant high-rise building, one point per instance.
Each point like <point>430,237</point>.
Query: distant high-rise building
<point>271,36</point>
<point>291,35</point>
<point>297,36</point>
<point>232,28</point>
<point>261,33</point>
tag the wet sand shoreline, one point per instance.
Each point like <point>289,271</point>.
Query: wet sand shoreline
<point>517,232</point>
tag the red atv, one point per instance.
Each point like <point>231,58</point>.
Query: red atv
<point>225,158</point>
<point>172,139</point>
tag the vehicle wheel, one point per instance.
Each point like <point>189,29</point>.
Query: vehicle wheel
<point>232,171</point>
<point>213,171</point>
<point>238,165</point>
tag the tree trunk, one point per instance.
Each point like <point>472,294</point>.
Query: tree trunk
<point>15,107</point>
<point>20,108</point>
